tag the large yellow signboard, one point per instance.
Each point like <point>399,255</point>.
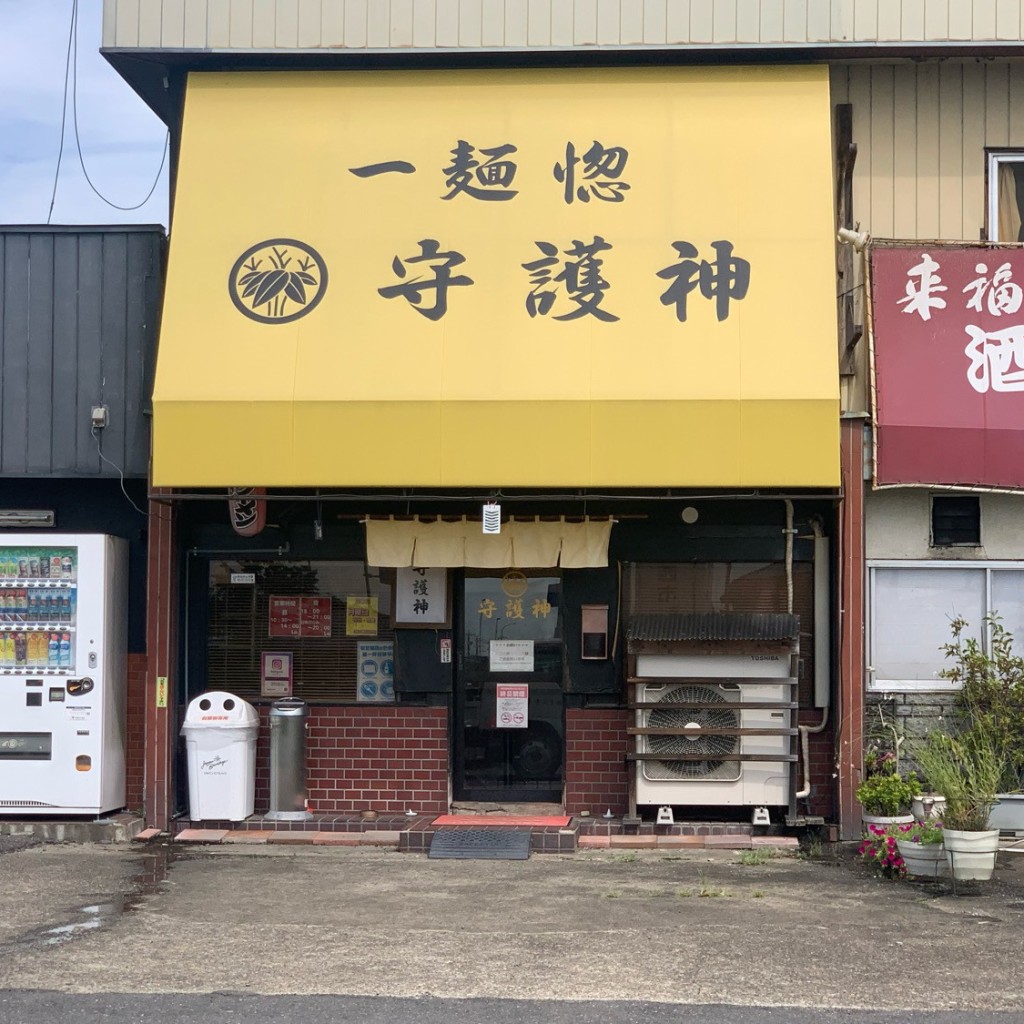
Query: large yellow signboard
<point>616,277</point>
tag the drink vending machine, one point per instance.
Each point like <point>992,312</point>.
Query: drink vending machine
<point>63,642</point>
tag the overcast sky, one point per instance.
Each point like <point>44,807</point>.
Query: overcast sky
<point>122,139</point>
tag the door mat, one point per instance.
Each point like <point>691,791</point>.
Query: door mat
<point>480,844</point>
<point>501,820</point>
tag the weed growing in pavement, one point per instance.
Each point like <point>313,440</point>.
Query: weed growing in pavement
<point>613,895</point>
<point>707,889</point>
<point>758,894</point>
<point>682,893</point>
<point>624,858</point>
<point>759,855</point>
<point>812,849</point>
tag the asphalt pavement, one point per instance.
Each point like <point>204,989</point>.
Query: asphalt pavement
<point>698,928</point>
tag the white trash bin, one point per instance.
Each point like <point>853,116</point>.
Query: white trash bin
<point>220,736</point>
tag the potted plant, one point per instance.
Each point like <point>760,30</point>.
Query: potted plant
<point>967,768</point>
<point>920,847</point>
<point>991,698</point>
<point>885,798</point>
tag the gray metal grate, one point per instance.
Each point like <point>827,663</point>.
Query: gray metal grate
<point>485,843</point>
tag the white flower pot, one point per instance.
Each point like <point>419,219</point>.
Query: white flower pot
<point>930,805</point>
<point>884,820</point>
<point>1008,812</point>
<point>925,860</point>
<point>971,855</point>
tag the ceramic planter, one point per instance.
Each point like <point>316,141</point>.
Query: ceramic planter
<point>1008,812</point>
<point>924,860</point>
<point>885,820</point>
<point>971,855</point>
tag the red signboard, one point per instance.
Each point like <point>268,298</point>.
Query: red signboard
<point>948,352</point>
<point>300,616</point>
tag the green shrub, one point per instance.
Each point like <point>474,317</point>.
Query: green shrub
<point>888,794</point>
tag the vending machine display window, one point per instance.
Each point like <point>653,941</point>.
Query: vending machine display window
<point>38,609</point>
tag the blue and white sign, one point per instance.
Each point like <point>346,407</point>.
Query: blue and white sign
<point>375,672</point>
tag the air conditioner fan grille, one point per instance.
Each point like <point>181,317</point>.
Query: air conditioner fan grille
<point>724,716</point>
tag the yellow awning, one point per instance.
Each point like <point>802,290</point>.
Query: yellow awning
<point>614,277</point>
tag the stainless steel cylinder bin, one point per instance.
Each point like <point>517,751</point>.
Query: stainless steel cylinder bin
<point>288,792</point>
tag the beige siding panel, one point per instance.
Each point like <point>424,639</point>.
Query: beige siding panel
<point>108,36</point>
<point>400,28</point>
<point>150,22</point>
<point>748,21</point>
<point>951,151</point>
<point>126,22</point>
<point>172,23</point>
<point>310,29</point>
<point>562,22</point>
<point>974,151</point>
<point>997,105</point>
<point>726,18</point>
<point>608,29</point>
<point>984,19</point>
<point>516,23</point>
<point>196,35</point>
<point>927,152</point>
<point>378,24</point>
<point>912,20</point>
<point>961,21</point>
<point>819,21</point>
<point>356,23</point>
<point>936,18</point>
<point>1014,133</point>
<point>263,24</point>
<point>631,24</point>
<point>286,24</point>
<point>772,16</point>
<point>889,20</point>
<point>882,154</point>
<point>904,151</point>
<point>240,27</point>
<point>446,23</point>
<point>492,23</point>
<point>539,23</point>
<point>794,20</point>
<point>332,24</point>
<point>655,21</point>
<point>584,26</point>
<point>1008,19</point>
<point>218,21</point>
<point>689,20</point>
<point>424,23</point>
<point>842,19</point>
<point>865,19</point>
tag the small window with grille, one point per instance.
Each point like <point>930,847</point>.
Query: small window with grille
<point>324,653</point>
<point>956,521</point>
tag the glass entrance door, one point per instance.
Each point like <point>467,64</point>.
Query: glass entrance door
<point>509,715</point>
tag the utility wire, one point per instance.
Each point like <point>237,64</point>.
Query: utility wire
<point>63,107</point>
<point>71,71</point>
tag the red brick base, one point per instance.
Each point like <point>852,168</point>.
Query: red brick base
<point>596,778</point>
<point>384,759</point>
<point>135,731</point>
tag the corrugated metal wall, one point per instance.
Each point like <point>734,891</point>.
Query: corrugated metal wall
<point>403,24</point>
<point>921,130</point>
<point>79,314</point>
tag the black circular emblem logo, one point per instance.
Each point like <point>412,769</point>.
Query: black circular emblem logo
<point>277,281</point>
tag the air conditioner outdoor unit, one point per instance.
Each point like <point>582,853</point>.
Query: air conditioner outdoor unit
<point>713,779</point>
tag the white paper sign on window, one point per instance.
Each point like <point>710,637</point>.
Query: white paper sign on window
<point>511,656</point>
<point>512,706</point>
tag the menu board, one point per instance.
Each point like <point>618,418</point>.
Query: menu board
<point>300,616</point>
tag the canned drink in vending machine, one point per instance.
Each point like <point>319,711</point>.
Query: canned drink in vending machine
<point>55,567</point>
<point>7,649</point>
<point>67,567</point>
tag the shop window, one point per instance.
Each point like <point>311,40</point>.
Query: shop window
<point>911,606</point>
<point>677,588</point>
<point>1005,196</point>
<point>955,521</point>
<point>346,604</point>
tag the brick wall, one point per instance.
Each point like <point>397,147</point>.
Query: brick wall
<point>821,747</point>
<point>385,759</point>
<point>135,731</point>
<point>596,777</point>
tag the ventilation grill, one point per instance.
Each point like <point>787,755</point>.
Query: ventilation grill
<point>724,717</point>
<point>25,803</point>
